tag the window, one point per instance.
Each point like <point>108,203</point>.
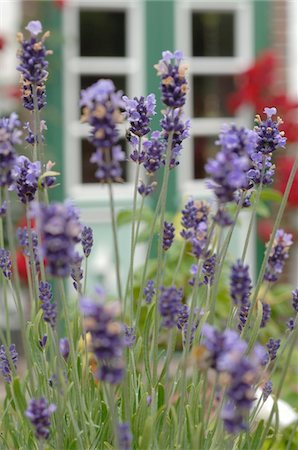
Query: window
<point>99,43</point>
<point>217,46</point>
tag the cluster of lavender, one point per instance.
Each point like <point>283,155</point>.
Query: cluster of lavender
<point>107,338</point>
<point>33,66</point>
<point>240,289</point>
<point>48,306</point>
<point>244,159</point>
<point>139,111</point>
<point>278,255</point>
<point>226,355</point>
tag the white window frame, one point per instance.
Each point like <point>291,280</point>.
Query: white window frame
<point>244,44</point>
<point>130,66</point>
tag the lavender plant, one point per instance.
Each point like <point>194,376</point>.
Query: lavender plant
<point>156,367</point>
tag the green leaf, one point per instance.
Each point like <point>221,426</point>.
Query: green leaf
<point>125,216</point>
<point>271,195</point>
<point>108,446</point>
<point>147,434</point>
<point>263,210</point>
<point>18,395</point>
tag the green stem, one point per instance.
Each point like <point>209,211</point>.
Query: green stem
<point>163,196</point>
<point>281,382</point>
<point>32,260</point>
<point>115,240</point>
<point>268,249</point>
<point>221,259</point>
<point>81,406</point>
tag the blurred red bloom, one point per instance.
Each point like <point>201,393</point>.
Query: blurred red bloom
<point>284,165</point>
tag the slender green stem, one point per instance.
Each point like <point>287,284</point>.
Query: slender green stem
<point>285,368</point>
<point>163,196</point>
<point>221,259</point>
<point>132,243</point>
<point>115,240</point>
<point>179,261</point>
<point>81,406</point>
<point>143,279</point>
<point>7,314</point>
<point>268,250</point>
<point>32,261</point>
<point>85,276</point>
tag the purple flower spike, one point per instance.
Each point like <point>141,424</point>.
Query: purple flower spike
<point>272,347</point>
<point>168,235</point>
<point>5,364</point>
<point>39,412</point>
<point>64,347</point>
<point>87,240</point>
<point>144,190</point>
<point>101,109</point>
<point>174,85</point>
<point>107,338</point>
<point>26,174</point>
<point>278,255</point>
<point>240,284</point>
<point>9,136</point>
<point>48,306</point>
<point>129,336</point>
<point>154,152</point>
<point>34,27</point>
<point>23,238</point>
<point>295,300</point>
<point>173,122</point>
<point>267,389</point>
<point>266,314</point>
<point>43,341</point>
<point>269,136</point>
<point>5,263</point>
<point>60,231</point>
<point>149,291</point>
<point>139,112</point>
<point>169,304</point>
<point>124,436</point>
<point>33,66</point>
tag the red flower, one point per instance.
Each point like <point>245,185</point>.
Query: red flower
<point>284,165</point>
<point>2,42</point>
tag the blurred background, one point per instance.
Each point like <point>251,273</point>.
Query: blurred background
<point>242,56</point>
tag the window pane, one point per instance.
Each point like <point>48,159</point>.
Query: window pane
<point>89,169</point>
<point>102,33</point>
<point>118,80</point>
<point>210,94</point>
<point>204,148</point>
<point>213,33</point>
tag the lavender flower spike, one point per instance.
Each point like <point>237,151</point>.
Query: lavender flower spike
<point>169,304</point>
<point>295,300</point>
<point>87,240</point>
<point>48,306</point>
<point>64,347</point>
<point>278,255</point>
<point>149,291</point>
<point>173,82</point>
<point>26,174</point>
<point>269,136</point>
<point>168,235</point>
<point>124,436</point>
<point>107,340</point>
<point>33,65</point>
<point>9,137</point>
<point>5,263</point>
<point>139,112</point>
<point>39,412</point>
<point>60,231</point>
<point>5,365</point>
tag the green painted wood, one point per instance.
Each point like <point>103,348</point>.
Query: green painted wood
<point>262,21</point>
<point>159,17</point>
<point>51,18</point>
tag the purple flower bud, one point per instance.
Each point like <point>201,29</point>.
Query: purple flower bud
<point>272,347</point>
<point>295,300</point>
<point>291,324</point>
<point>139,112</point>
<point>144,190</point>
<point>265,314</point>
<point>129,336</point>
<point>3,208</point>
<point>43,341</point>
<point>267,389</point>
<point>34,27</point>
<point>64,347</point>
